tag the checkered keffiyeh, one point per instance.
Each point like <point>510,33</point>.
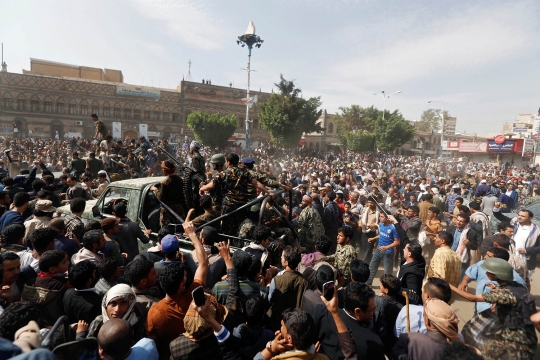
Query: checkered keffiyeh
<point>74,227</point>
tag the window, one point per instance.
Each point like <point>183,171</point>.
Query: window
<point>147,115</point>
<point>8,103</point>
<point>330,128</point>
<point>35,105</point>
<point>84,109</point>
<point>116,112</point>
<point>48,106</point>
<point>60,108</point>
<point>136,114</point>
<point>174,117</point>
<point>73,109</point>
<point>156,115</point>
<point>21,104</point>
<point>106,111</point>
<point>95,110</point>
<point>127,112</point>
<point>165,116</point>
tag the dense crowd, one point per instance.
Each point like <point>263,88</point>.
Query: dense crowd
<point>298,282</point>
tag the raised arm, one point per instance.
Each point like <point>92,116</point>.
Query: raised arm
<point>202,270</point>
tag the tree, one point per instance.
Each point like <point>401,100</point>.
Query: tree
<point>359,128</point>
<point>430,120</point>
<point>211,129</point>
<point>393,132</point>
<point>286,115</point>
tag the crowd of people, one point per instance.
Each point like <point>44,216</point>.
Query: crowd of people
<point>299,281</point>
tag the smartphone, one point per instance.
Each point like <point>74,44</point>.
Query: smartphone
<point>198,296</point>
<point>328,290</point>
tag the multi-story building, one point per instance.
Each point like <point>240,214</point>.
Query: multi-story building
<point>450,125</point>
<point>56,100</point>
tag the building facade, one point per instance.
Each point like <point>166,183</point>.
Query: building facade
<point>54,100</point>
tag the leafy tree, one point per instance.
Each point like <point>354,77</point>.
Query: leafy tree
<point>360,128</point>
<point>359,141</point>
<point>430,121</point>
<point>286,115</point>
<point>393,132</point>
<point>211,129</point>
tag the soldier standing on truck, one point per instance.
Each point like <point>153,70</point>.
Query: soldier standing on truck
<point>261,177</point>
<point>169,190</point>
<point>101,131</point>
<point>234,183</point>
<point>197,161</point>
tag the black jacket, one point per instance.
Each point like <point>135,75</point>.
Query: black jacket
<point>411,275</point>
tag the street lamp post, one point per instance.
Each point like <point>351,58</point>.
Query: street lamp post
<point>442,121</point>
<point>249,39</point>
<point>384,96</point>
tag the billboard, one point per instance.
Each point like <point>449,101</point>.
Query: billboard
<point>117,129</point>
<point>471,147</point>
<point>528,148</point>
<point>520,129</point>
<point>536,128</point>
<point>133,90</point>
<point>143,130</point>
<point>505,147</point>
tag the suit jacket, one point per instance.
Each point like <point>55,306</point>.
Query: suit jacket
<point>127,238</point>
<point>327,334</point>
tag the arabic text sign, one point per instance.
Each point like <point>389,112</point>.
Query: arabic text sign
<point>519,129</point>
<point>138,91</point>
<point>505,147</point>
<point>470,147</point>
<point>528,148</point>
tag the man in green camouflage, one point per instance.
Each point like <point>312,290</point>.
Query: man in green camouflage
<point>234,183</point>
<point>218,162</point>
<point>197,161</point>
<point>310,225</point>
<point>261,177</point>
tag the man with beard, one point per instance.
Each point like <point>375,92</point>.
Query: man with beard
<point>310,225</point>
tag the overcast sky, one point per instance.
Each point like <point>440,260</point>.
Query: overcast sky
<point>480,57</point>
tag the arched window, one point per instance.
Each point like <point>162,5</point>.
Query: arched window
<point>127,111</point>
<point>34,103</point>
<point>21,103</point>
<point>330,128</point>
<point>137,112</point>
<point>7,102</point>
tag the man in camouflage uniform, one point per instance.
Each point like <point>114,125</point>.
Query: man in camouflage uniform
<point>234,185</point>
<point>310,225</point>
<point>262,178</point>
<point>197,161</point>
<point>218,162</point>
<point>101,131</point>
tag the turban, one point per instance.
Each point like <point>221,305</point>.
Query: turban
<point>307,199</point>
<point>443,318</point>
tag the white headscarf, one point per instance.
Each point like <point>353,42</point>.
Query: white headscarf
<point>124,292</point>
<point>106,175</point>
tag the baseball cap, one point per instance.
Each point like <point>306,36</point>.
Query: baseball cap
<point>169,244</point>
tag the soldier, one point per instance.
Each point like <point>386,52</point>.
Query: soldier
<point>217,161</point>
<point>101,130</point>
<point>262,178</point>
<point>208,215</point>
<point>234,184</point>
<point>169,191</point>
<point>310,225</point>
<point>78,165</point>
<point>197,161</point>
